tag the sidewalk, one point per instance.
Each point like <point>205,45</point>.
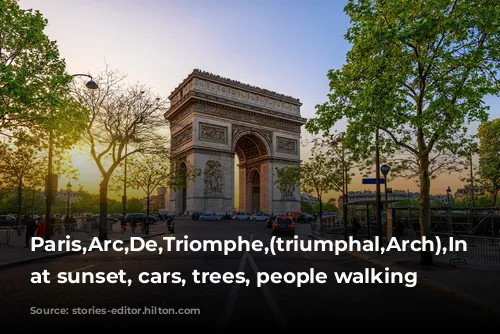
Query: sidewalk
<point>16,254</point>
<point>473,282</point>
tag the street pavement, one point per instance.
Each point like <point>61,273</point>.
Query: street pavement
<point>232,306</point>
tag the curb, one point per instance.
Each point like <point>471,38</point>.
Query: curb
<point>493,310</point>
<point>60,254</point>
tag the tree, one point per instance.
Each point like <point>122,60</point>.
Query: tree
<point>318,175</point>
<point>149,172</point>
<point>20,165</point>
<point>417,71</point>
<point>489,157</point>
<point>332,201</point>
<point>31,69</point>
<point>122,118</point>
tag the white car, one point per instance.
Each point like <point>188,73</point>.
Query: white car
<point>259,217</point>
<point>241,216</point>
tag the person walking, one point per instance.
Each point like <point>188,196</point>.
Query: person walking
<point>67,224</point>
<point>31,227</point>
<point>40,232</point>
<point>356,226</point>
<point>123,224</point>
<point>146,225</point>
<point>133,225</point>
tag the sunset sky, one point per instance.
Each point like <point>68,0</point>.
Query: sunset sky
<point>285,46</point>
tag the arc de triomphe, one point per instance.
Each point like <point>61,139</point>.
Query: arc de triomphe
<point>212,119</point>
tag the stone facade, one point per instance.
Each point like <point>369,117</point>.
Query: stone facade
<point>212,119</point>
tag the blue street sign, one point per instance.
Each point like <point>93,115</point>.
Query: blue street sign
<point>373,181</point>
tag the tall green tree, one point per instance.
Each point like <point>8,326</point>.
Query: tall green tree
<point>489,157</point>
<point>31,69</point>
<point>20,166</point>
<point>417,72</point>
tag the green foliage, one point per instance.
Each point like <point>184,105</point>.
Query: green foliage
<point>32,73</point>
<point>306,207</point>
<point>326,208</point>
<point>489,157</point>
<point>417,71</point>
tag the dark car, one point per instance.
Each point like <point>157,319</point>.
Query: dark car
<point>97,218</point>
<point>305,218</point>
<point>139,217</point>
<point>7,221</point>
<point>164,217</point>
<point>283,225</point>
<point>196,215</point>
<point>269,221</point>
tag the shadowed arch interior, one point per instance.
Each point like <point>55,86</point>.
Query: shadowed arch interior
<point>250,147</point>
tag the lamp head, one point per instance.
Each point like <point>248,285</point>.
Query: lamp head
<point>92,85</point>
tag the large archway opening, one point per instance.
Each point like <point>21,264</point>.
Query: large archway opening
<point>250,191</point>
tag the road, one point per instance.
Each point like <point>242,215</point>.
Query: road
<point>222,305</point>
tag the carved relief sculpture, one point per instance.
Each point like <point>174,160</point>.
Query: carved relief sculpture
<point>285,145</point>
<point>214,178</point>
<point>182,137</point>
<point>287,192</point>
<point>213,133</point>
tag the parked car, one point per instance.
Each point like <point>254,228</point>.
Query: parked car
<point>240,216</point>
<point>305,218</point>
<point>139,217</point>
<point>210,216</point>
<point>259,217</point>
<point>196,215</point>
<point>116,216</point>
<point>283,225</point>
<point>165,217</point>
<point>96,219</point>
<point>6,220</point>
<point>269,221</point>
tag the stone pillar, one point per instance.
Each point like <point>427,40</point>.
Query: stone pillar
<point>243,189</point>
<point>265,188</point>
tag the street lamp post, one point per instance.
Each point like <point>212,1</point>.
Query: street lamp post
<point>68,188</point>
<point>124,197</point>
<point>377,175</point>
<point>448,193</point>
<point>345,179</point>
<point>49,187</point>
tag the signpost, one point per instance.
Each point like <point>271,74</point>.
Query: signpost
<point>388,217</point>
<point>372,181</point>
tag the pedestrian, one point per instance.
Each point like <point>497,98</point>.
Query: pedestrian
<point>356,226</point>
<point>67,224</point>
<point>133,225</point>
<point>31,227</point>
<point>123,224</point>
<point>399,230</point>
<point>40,232</point>
<point>146,226</point>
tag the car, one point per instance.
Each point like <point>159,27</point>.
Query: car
<point>210,216</point>
<point>240,216</point>
<point>259,217</point>
<point>269,221</point>
<point>96,219</point>
<point>283,225</point>
<point>116,216</point>
<point>196,215</point>
<point>6,220</point>
<point>139,217</point>
<point>305,218</point>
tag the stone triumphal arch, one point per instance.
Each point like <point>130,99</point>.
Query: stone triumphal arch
<point>212,120</point>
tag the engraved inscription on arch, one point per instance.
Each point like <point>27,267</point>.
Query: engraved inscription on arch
<point>286,145</point>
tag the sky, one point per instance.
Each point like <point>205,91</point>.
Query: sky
<point>286,46</point>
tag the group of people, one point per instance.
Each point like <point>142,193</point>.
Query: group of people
<point>37,227</point>
<point>133,225</point>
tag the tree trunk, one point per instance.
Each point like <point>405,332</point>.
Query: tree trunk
<point>147,206</point>
<point>494,198</point>
<point>19,206</point>
<point>320,215</point>
<point>103,209</point>
<point>424,207</point>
